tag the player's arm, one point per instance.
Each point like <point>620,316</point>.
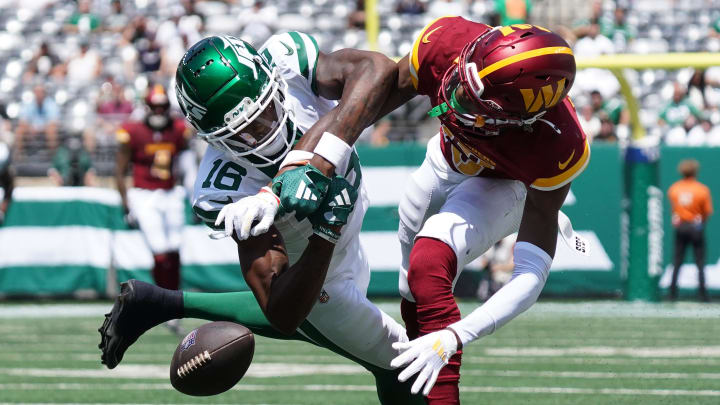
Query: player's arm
<point>122,161</point>
<point>286,294</point>
<point>361,81</point>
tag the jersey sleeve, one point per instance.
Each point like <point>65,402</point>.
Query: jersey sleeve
<point>293,51</point>
<point>437,47</point>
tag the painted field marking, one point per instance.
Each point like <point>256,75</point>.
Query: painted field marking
<point>368,388</point>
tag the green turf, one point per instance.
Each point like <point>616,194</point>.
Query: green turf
<point>558,353</point>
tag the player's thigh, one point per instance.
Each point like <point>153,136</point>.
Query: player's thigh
<point>144,206</point>
<point>346,322</point>
<point>477,213</point>
<point>173,211</point>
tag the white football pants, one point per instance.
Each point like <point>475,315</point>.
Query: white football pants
<point>469,214</point>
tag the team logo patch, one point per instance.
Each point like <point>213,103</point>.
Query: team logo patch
<point>188,341</point>
<point>324,297</point>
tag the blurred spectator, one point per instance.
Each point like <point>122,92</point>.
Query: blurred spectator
<point>113,108</point>
<point>678,116</point>
<point>38,118</point>
<point>715,29</point>
<point>84,67</point>
<point>513,11</point>
<point>691,207</point>
<point>356,19</point>
<point>589,122</point>
<point>592,45</point>
<point>117,20</point>
<point>701,134</point>
<point>581,27</point>
<point>44,64</point>
<point>83,20</point>
<point>613,115</point>
<point>7,180</point>
<point>411,7</point>
<point>72,165</point>
<point>618,30</point>
<point>259,23</point>
<point>439,8</point>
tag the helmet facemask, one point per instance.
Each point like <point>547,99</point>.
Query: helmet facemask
<point>257,128</point>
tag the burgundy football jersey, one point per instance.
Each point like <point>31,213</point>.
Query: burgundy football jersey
<point>153,153</point>
<point>543,158</point>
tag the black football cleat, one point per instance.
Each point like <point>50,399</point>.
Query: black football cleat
<point>139,307</point>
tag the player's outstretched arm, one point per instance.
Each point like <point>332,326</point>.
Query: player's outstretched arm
<point>533,255</point>
<point>286,293</point>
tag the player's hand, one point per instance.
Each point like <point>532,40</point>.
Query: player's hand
<point>427,355</point>
<point>240,215</point>
<point>301,190</point>
<point>130,219</point>
<point>334,210</point>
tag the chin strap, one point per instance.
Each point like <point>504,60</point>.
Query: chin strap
<point>441,109</point>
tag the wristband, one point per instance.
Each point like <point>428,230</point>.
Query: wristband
<point>335,151</point>
<point>295,156</point>
<point>326,233</point>
<point>267,189</point>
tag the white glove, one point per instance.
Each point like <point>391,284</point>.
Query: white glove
<point>430,353</point>
<point>240,215</point>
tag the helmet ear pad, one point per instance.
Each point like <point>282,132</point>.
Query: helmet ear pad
<point>522,70</point>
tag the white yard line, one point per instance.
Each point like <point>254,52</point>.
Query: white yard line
<point>370,388</point>
<point>265,370</point>
<point>641,352</point>
<point>600,309</point>
<point>594,374</point>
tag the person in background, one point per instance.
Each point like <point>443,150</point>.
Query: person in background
<point>7,180</point>
<point>83,20</point>
<point>678,116</point>
<point>39,117</point>
<point>691,206</point>
<point>154,204</point>
<point>72,165</point>
<point>513,11</point>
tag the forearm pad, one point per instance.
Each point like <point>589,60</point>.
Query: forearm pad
<point>532,266</point>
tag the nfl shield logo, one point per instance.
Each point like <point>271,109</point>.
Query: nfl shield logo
<point>324,297</point>
<point>188,341</point>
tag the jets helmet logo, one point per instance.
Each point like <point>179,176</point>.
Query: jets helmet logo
<point>193,111</point>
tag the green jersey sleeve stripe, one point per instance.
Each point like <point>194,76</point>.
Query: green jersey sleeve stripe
<point>205,215</point>
<point>301,53</point>
<point>313,65</point>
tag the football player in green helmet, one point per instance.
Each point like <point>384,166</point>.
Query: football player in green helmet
<point>307,271</point>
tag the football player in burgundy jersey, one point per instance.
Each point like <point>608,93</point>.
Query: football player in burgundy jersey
<point>154,204</point>
<point>508,148</point>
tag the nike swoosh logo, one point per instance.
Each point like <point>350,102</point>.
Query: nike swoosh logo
<point>425,38</point>
<point>227,201</point>
<point>563,165</point>
<point>290,51</point>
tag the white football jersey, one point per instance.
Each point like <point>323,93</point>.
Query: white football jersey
<point>221,180</point>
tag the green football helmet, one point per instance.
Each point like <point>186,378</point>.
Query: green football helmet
<point>236,100</point>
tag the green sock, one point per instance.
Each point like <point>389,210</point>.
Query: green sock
<point>239,307</point>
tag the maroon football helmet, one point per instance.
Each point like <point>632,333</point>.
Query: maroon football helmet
<point>512,75</point>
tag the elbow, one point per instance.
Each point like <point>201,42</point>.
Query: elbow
<point>284,322</point>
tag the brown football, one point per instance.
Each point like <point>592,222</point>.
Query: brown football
<point>212,358</point>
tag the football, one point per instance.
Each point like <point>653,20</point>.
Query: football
<point>212,358</point>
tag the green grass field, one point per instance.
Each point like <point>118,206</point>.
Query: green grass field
<point>559,353</point>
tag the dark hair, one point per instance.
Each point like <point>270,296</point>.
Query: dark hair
<point>688,168</point>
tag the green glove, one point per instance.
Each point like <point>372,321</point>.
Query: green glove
<point>301,190</point>
<point>334,210</point>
